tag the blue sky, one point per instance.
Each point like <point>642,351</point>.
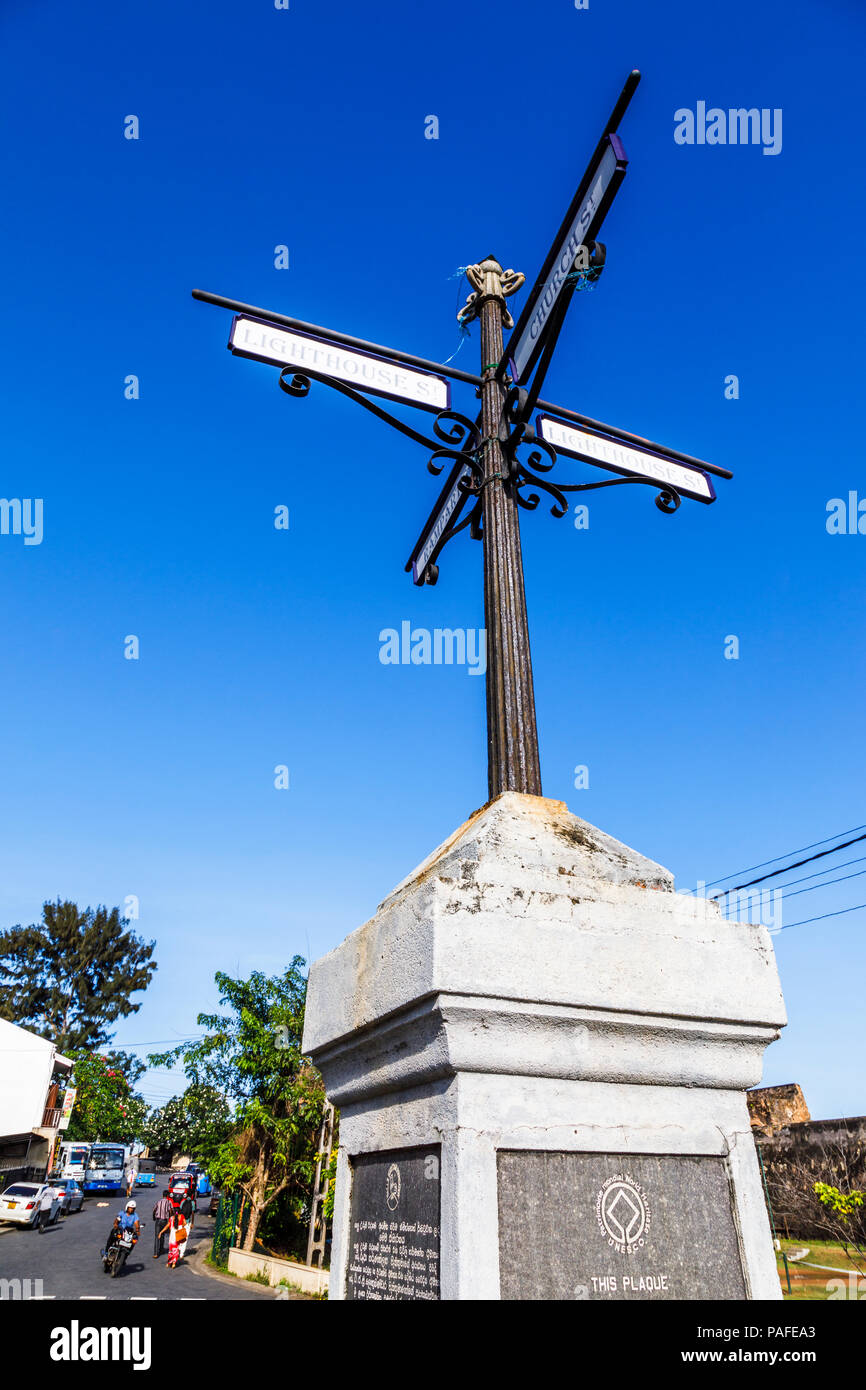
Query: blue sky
<point>259,647</point>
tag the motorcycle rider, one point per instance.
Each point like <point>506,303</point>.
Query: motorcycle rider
<point>125,1220</point>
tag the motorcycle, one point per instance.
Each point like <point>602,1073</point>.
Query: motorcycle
<point>115,1255</point>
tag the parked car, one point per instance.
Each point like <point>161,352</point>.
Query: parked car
<point>71,1195</point>
<point>21,1203</point>
<point>196,1177</point>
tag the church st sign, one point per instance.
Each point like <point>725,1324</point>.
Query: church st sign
<point>283,347</point>
<point>624,459</point>
<point>582,221</point>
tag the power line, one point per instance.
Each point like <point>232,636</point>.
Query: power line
<point>734,907</point>
<point>840,913</point>
<point>843,879</point>
<point>802,850</point>
<point>798,864</point>
<point>828,870</point>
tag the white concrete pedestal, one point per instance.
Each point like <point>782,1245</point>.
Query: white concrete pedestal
<point>536,985</point>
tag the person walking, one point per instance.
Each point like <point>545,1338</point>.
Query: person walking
<point>187,1215</point>
<point>178,1234</point>
<point>130,1178</point>
<point>170,1229</point>
<point>161,1213</point>
<point>46,1203</point>
<point>184,1225</point>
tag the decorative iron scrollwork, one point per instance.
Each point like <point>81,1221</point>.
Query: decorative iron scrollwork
<point>523,472</point>
<point>457,433</point>
<point>457,439</point>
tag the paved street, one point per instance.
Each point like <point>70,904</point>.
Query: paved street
<point>66,1259</point>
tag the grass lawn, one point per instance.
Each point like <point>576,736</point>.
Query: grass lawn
<point>809,1284</point>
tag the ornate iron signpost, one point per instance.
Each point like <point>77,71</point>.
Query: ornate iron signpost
<point>499,461</point>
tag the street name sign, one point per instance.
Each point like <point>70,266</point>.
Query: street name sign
<point>377,376</point>
<point>583,220</point>
<point>624,458</point>
<point>440,523</point>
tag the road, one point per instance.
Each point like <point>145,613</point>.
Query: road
<point>66,1258</point>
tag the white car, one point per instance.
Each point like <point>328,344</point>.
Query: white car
<point>21,1203</point>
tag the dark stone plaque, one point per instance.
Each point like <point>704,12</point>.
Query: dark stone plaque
<point>616,1226</point>
<point>394,1225</point>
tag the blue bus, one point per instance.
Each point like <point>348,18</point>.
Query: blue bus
<point>106,1165</point>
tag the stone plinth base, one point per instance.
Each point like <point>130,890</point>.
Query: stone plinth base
<point>540,1054</point>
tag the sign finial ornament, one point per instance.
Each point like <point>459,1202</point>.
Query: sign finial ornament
<point>490,281</point>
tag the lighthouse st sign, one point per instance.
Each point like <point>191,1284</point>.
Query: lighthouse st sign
<point>266,341</point>
<point>625,459</point>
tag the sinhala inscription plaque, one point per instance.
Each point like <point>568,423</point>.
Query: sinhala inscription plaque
<point>394,1225</point>
<point>616,1226</point>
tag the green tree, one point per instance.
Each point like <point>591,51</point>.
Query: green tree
<point>196,1123</point>
<point>846,1214</point>
<point>71,975</point>
<point>106,1106</point>
<point>252,1055</point>
<point>166,1130</point>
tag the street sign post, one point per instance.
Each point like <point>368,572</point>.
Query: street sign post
<point>496,462</point>
<point>265,341</point>
<point>622,458</point>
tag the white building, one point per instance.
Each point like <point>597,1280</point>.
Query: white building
<point>32,1074</point>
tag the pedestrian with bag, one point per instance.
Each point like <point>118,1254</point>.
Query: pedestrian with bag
<point>178,1235</point>
<point>170,1229</point>
<point>187,1214</point>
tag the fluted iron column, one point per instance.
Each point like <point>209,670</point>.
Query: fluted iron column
<point>512,737</point>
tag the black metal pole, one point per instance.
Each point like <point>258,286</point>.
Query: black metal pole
<point>512,736</point>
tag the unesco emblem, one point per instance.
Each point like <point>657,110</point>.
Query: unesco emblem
<point>392,1187</point>
<point>623,1213</point>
